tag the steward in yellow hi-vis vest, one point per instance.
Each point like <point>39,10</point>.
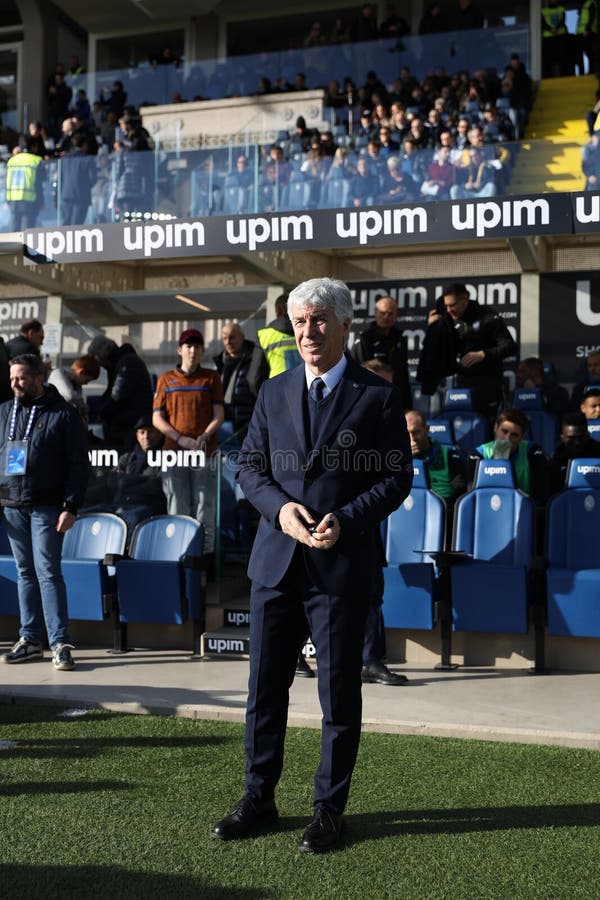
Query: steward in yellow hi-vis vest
<point>24,189</point>
<point>278,342</point>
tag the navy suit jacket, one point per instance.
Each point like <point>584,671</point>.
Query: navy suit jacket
<point>360,469</point>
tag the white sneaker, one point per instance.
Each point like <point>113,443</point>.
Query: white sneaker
<point>61,657</point>
<point>23,651</point>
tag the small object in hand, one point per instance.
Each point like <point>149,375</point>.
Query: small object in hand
<point>330,523</point>
<point>311,529</point>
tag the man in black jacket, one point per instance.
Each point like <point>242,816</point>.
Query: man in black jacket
<point>43,473</point>
<point>383,340</point>
<point>465,339</point>
<point>243,368</point>
<point>128,395</point>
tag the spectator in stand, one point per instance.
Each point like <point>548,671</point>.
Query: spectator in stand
<point>383,340</point>
<point>69,382</point>
<point>465,339</point>
<point>381,116</point>
<point>81,106</point>
<point>315,36</point>
<point>78,171</point>
<point>364,26</point>
<point>243,175</point>
<point>529,460</point>
<point>188,411</point>
<point>434,21</point>
<point>420,134</point>
<point>388,146</point>
<point>339,33</point>
<point>59,100</point>
<point>39,139</point>
<point>24,185</point>
<point>393,26</point>
<point>590,163</point>
<point>365,186</point>
<point>108,130</point>
<point>435,124</point>
<point>400,122</point>
<point>299,82</point>
<point>447,140</point>
<point>28,341</point>
<point>283,168</point>
<point>530,374</point>
<point>328,145</point>
<point>76,68</point>
<point>469,16</point>
<point>591,380</point>
<point>114,99</point>
<point>444,464</point>
<point>496,127</point>
<point>366,128</point>
<point>375,89</point>
<point>475,179</point>
<point>574,443</point>
<point>398,187</point>
<point>590,403</point>
<point>440,176</point>
<point>334,98</point>
<point>134,170</point>
<point>415,162</point>
<point>167,57</point>
<point>243,367</point>
<point>461,138</point>
<point>128,394</point>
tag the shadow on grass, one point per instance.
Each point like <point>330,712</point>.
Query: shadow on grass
<point>374,826</point>
<point>33,788</point>
<point>80,748</point>
<point>104,882</point>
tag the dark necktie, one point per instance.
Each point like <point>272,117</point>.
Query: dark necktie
<point>315,393</point>
<point>316,390</point>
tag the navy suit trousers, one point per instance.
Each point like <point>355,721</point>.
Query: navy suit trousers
<point>277,631</point>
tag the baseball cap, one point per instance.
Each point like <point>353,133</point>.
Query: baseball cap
<point>143,422</point>
<point>191,336</point>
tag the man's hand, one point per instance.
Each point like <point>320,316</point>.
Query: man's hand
<point>187,443</point>
<point>326,533</point>
<point>433,316</point>
<point>295,520</point>
<point>472,358</point>
<point>66,520</point>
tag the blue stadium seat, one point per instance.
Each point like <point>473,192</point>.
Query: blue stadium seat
<point>162,580</point>
<point>89,553</point>
<point>300,194</point>
<point>494,525</point>
<point>594,428</point>
<point>9,597</point>
<point>441,431</point>
<point>470,428</point>
<point>573,553</point>
<point>543,425</point>
<point>409,579</point>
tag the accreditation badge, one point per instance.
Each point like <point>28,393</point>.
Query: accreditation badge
<point>16,458</point>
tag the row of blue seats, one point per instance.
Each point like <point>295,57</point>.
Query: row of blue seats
<point>492,581</point>
<point>459,424</point>
<point>159,580</point>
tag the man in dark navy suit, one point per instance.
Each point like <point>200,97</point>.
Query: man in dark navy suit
<point>326,459</point>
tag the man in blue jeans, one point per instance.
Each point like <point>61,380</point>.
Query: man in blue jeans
<point>43,474</point>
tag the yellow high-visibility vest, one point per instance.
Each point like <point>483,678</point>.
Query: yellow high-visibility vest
<point>280,350</point>
<point>21,173</point>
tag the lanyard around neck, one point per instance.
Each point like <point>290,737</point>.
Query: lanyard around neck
<point>13,422</point>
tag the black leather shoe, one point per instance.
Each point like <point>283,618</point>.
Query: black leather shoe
<point>377,673</point>
<point>248,815</point>
<point>323,832</point>
<point>303,670</point>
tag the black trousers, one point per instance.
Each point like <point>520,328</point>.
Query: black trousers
<point>278,619</point>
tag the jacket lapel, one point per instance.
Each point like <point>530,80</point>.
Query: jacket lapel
<point>295,388</point>
<point>346,395</point>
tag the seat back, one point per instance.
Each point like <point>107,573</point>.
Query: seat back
<point>543,425</point>
<point>594,428</point>
<point>94,535</point>
<point>470,427</point>
<point>418,524</point>
<point>573,535</point>
<point>166,538</point>
<point>442,431</point>
<point>495,524</point>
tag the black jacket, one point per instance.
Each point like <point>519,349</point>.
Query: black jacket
<point>127,397</point>
<point>248,371</point>
<point>446,340</point>
<point>57,461</point>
